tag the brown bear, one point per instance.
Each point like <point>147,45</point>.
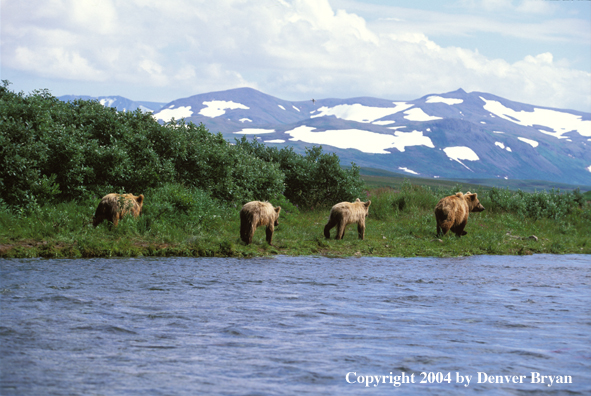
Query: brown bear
<point>255,214</point>
<point>451,213</point>
<point>345,213</point>
<point>114,206</point>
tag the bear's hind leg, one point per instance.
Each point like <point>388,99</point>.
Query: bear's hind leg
<point>269,232</point>
<point>361,230</point>
<point>341,230</point>
<point>331,223</point>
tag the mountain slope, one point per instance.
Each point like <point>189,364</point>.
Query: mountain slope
<point>451,135</point>
<point>118,102</point>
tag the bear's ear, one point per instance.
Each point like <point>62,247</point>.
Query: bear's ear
<point>140,199</point>
<point>277,209</point>
<point>357,200</point>
<point>468,193</point>
<point>472,196</point>
<point>367,204</point>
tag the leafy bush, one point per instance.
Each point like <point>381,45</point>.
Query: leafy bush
<point>51,150</point>
<point>315,179</point>
<point>537,205</point>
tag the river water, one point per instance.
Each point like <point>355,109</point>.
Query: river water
<point>296,325</point>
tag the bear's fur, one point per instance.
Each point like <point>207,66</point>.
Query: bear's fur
<point>451,213</point>
<point>114,206</point>
<point>345,213</point>
<point>256,214</point>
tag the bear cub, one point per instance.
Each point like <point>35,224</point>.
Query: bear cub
<point>451,213</point>
<point>114,206</point>
<point>345,213</point>
<point>256,214</point>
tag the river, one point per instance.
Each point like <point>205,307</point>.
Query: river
<point>296,325</point>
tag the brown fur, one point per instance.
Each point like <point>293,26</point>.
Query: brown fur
<point>345,213</point>
<point>451,213</point>
<point>114,206</point>
<point>256,214</point>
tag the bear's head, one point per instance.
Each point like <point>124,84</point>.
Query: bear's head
<point>473,202</point>
<point>277,210</point>
<point>365,205</point>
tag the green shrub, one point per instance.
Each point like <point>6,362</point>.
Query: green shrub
<point>51,150</point>
<point>537,205</point>
<point>315,179</point>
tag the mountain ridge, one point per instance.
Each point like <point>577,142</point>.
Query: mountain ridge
<point>449,135</point>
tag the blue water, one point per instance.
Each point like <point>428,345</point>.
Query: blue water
<point>295,325</point>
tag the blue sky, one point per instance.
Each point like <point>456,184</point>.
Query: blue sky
<point>532,51</point>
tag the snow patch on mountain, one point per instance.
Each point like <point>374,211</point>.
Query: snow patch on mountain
<point>216,108</point>
<point>532,143</point>
<point>417,114</point>
<point>254,131</point>
<point>408,170</point>
<point>557,121</point>
<point>107,102</point>
<point>360,113</point>
<point>243,120</point>
<point>364,141</point>
<point>383,122</point>
<point>281,107</point>
<point>177,113</point>
<point>459,153</point>
<point>439,99</point>
<point>502,146</point>
<point>589,168</point>
<point>275,141</point>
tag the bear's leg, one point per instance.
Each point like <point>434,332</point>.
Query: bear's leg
<point>244,227</point>
<point>269,231</point>
<point>99,215</point>
<point>341,230</point>
<point>361,229</point>
<point>251,231</point>
<point>445,226</point>
<point>459,229</point>
<point>439,231</point>
<point>331,223</point>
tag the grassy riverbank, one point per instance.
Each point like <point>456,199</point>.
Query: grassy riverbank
<point>401,223</point>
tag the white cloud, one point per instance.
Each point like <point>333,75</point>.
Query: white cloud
<point>293,49</point>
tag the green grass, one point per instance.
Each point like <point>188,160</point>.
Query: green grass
<point>190,223</point>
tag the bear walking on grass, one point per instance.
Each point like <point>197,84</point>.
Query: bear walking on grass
<point>114,206</point>
<point>256,214</point>
<point>451,213</point>
<point>345,213</point>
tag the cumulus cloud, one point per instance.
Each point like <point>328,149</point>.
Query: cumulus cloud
<point>292,49</point>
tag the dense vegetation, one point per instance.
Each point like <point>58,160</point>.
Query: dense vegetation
<point>52,152</point>
<point>57,159</point>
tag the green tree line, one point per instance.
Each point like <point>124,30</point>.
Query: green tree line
<point>53,151</point>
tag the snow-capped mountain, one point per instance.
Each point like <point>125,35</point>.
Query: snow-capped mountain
<point>450,135</point>
<point>118,102</point>
<point>457,134</point>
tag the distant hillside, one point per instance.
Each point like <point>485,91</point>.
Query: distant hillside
<point>454,135</point>
<point>381,178</point>
<point>118,102</point>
